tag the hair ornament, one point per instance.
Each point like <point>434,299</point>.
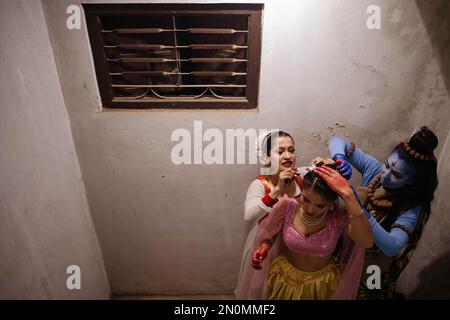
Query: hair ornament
<point>415,154</point>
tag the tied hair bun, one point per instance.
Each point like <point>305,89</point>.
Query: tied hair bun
<point>424,141</point>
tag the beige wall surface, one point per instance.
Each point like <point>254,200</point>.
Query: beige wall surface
<point>164,228</point>
<point>45,223</point>
<point>426,275</point>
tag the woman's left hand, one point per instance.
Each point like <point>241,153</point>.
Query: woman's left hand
<point>335,181</point>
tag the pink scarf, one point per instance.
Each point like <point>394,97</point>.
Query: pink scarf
<point>253,283</point>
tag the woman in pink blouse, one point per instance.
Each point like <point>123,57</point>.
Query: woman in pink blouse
<point>294,243</point>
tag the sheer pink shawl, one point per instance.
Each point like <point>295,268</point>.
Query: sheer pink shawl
<point>253,283</point>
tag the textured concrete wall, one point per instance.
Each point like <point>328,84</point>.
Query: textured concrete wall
<point>436,17</point>
<point>427,274</point>
<point>179,229</point>
<point>45,224</point>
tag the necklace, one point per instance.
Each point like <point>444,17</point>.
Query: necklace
<point>308,221</point>
<point>372,189</point>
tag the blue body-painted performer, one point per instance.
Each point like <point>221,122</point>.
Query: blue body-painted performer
<point>397,194</point>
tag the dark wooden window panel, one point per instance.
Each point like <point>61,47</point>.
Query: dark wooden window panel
<point>176,55</point>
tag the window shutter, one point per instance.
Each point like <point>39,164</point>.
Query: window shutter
<point>176,56</point>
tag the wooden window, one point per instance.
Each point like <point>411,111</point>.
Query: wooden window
<point>176,55</point>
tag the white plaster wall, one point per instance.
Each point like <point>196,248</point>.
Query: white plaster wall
<point>179,229</point>
<point>45,224</point>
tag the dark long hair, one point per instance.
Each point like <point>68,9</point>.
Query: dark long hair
<point>311,180</point>
<point>421,193</point>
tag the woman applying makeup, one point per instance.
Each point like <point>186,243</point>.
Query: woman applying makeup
<point>276,150</point>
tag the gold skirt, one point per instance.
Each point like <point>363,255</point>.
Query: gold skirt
<point>288,283</point>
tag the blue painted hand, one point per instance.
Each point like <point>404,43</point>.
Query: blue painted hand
<point>344,167</point>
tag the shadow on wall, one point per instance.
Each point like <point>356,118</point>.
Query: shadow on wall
<point>433,281</point>
<point>436,17</point>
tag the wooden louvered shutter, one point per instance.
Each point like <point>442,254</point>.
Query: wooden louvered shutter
<point>176,56</point>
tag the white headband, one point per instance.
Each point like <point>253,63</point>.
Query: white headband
<point>261,140</point>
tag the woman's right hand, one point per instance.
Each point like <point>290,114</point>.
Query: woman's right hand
<point>285,179</point>
<point>259,255</point>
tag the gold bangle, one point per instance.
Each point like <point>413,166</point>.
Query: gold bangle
<point>360,213</point>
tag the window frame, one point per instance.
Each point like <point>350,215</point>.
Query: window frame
<point>254,39</point>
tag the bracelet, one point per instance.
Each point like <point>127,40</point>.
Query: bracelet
<point>401,227</point>
<point>268,201</point>
<point>350,151</point>
<point>355,215</point>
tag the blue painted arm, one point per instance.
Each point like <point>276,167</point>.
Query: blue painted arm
<point>391,243</point>
<point>367,165</point>
<point>338,145</point>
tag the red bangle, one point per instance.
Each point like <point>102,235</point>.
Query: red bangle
<point>268,201</point>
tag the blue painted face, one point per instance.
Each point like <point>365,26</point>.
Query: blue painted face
<point>397,173</point>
